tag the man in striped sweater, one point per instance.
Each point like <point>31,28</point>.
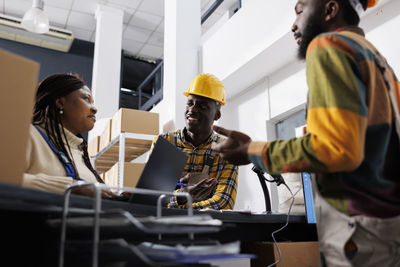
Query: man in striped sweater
<point>352,145</point>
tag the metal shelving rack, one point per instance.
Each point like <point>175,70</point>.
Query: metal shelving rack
<point>95,219</point>
<point>124,148</point>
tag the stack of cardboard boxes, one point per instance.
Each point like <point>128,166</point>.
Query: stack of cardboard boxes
<point>294,254</point>
<point>18,76</point>
<point>93,146</point>
<point>106,152</point>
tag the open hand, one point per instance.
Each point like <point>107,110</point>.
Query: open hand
<point>234,148</point>
<point>185,179</point>
<point>199,191</point>
<point>203,189</point>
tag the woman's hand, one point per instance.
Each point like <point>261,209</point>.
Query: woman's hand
<point>89,191</point>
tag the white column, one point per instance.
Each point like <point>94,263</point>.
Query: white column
<point>182,40</point>
<point>106,65</point>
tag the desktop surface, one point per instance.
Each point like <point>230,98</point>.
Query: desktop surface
<point>26,201</point>
<point>26,213</point>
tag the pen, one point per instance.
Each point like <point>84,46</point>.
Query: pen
<point>181,184</point>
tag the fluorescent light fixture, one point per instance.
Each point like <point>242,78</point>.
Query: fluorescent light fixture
<point>126,90</point>
<point>35,20</point>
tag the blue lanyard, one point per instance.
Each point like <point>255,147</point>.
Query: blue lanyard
<point>61,156</point>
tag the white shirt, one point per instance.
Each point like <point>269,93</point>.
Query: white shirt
<point>43,169</point>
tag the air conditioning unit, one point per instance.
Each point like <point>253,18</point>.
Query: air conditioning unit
<point>55,38</point>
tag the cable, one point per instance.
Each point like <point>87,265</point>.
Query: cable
<point>290,198</point>
<point>287,220</point>
<point>278,179</point>
<point>262,179</point>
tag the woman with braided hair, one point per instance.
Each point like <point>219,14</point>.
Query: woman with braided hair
<point>57,154</point>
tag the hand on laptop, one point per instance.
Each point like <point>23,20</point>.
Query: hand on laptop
<point>199,191</point>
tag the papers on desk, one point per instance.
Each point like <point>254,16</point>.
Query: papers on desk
<point>201,220</point>
<point>226,211</point>
<point>182,224</point>
<point>191,254</point>
<point>195,224</point>
<point>234,211</point>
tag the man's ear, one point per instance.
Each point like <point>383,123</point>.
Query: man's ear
<point>217,115</point>
<point>331,10</point>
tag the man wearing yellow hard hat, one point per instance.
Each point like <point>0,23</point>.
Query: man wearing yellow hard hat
<point>353,139</point>
<point>211,181</point>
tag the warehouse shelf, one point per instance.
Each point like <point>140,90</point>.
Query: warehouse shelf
<point>124,148</point>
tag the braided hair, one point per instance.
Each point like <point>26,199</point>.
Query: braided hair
<point>47,114</point>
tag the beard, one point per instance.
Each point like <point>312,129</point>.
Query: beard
<point>312,29</point>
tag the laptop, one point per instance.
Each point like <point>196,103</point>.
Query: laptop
<point>161,172</point>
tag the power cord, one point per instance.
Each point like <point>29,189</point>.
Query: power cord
<point>262,179</point>
<point>283,227</point>
<point>278,179</point>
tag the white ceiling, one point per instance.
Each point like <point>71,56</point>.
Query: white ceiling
<point>143,32</point>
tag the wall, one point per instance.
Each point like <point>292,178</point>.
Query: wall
<point>252,29</point>
<point>248,113</point>
<point>249,46</point>
<point>78,60</point>
<point>387,42</point>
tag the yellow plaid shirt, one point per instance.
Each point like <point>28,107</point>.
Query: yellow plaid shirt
<point>226,173</point>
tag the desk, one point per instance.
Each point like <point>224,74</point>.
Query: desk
<point>24,230</point>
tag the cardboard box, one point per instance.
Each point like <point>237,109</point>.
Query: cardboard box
<point>134,121</point>
<point>105,137</point>
<point>294,254</point>
<point>132,172</point>
<point>18,77</point>
<point>102,176</point>
<point>93,146</point>
<point>111,176</point>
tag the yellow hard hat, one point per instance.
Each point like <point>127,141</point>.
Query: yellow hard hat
<point>207,85</point>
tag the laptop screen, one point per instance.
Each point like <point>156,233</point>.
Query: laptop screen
<point>161,172</point>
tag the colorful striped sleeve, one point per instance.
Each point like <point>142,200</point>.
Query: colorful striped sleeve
<point>336,119</point>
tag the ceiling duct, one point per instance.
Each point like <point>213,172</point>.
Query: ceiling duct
<point>55,38</point>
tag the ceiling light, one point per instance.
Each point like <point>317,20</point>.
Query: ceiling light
<point>35,20</point>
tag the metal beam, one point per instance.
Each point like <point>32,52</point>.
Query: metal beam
<point>150,76</point>
<point>211,10</point>
<point>147,80</point>
<point>153,100</point>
